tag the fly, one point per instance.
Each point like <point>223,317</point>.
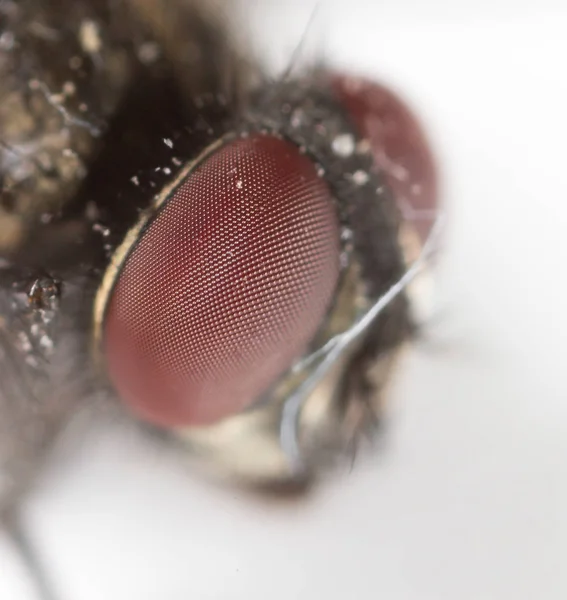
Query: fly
<point>228,257</point>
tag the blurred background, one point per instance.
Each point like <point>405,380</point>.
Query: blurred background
<point>466,497</point>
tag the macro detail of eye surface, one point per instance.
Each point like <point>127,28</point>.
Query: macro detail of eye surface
<point>225,287</point>
<point>255,310</point>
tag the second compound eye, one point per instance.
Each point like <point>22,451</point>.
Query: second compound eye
<point>226,286</point>
<point>399,145</point>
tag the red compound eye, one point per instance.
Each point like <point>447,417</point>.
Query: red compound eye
<point>399,146</point>
<point>226,287</point>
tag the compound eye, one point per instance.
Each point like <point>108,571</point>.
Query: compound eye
<point>399,145</point>
<point>226,287</point>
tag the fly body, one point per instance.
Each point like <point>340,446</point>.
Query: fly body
<point>227,256</point>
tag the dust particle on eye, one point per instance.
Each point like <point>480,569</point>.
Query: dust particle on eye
<point>99,228</point>
<point>46,343</point>
<point>7,41</point>
<point>360,178</point>
<point>297,118</point>
<point>89,37</point>
<point>69,88</point>
<point>343,145</point>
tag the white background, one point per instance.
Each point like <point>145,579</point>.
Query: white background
<point>468,498</point>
